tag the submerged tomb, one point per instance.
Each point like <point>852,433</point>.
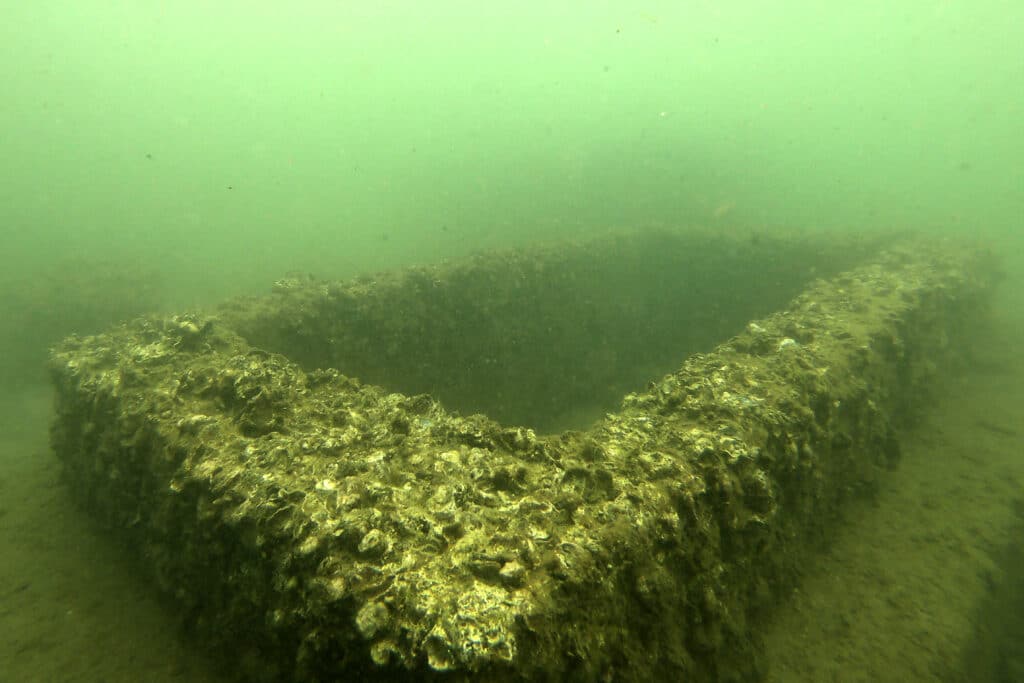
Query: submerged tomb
<point>592,460</point>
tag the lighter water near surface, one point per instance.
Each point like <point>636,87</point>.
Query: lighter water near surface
<point>165,155</point>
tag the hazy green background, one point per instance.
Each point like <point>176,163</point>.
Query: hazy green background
<point>176,152</point>
<point>169,154</point>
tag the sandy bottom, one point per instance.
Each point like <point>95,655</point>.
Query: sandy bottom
<point>72,607</point>
<point>908,590</point>
<point>905,591</point>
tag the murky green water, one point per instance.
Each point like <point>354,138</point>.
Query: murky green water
<point>165,155</point>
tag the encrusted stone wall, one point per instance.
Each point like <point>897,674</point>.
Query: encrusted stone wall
<point>325,528</point>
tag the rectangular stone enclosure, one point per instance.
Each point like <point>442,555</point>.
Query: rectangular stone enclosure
<point>600,460</point>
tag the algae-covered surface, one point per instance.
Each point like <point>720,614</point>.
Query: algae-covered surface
<point>893,599</point>
<point>320,527</point>
<point>304,525</point>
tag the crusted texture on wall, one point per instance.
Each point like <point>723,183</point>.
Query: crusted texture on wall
<point>325,527</point>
